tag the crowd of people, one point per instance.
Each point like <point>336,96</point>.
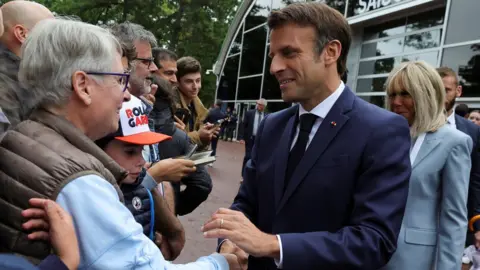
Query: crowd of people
<point>96,121</point>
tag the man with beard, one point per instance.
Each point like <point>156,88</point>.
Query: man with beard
<point>19,19</point>
<point>454,90</point>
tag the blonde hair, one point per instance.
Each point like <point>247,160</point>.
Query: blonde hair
<point>423,83</point>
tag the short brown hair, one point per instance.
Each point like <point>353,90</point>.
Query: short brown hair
<point>447,72</point>
<point>328,23</point>
<point>187,65</point>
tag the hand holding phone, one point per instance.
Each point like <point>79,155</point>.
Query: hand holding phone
<point>192,151</point>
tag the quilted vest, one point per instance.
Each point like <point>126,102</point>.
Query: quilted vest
<point>37,159</point>
<point>138,202</point>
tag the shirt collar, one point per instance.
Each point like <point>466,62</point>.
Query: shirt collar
<point>451,119</point>
<point>322,109</point>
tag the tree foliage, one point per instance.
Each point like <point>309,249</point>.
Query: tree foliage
<point>188,27</point>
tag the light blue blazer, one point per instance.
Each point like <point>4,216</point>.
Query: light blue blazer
<point>434,225</point>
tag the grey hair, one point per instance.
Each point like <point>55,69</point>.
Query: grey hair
<point>263,101</point>
<point>54,51</point>
<point>128,33</point>
<point>423,83</point>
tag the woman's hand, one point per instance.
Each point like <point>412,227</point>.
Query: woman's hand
<point>49,222</point>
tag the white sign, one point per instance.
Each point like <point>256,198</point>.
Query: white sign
<point>369,5</point>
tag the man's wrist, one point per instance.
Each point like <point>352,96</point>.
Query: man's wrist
<point>272,247</point>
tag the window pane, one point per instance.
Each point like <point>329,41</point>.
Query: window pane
<point>237,43</point>
<point>377,100</point>
<point>431,58</point>
<point>228,82</point>
<point>463,21</point>
<point>249,88</point>
<point>277,106</point>
<point>271,88</point>
<point>465,60</point>
<point>385,29</point>
<point>421,41</point>
<point>253,51</point>
<point>258,14</point>
<point>385,47</point>
<point>278,4</point>
<point>425,20</point>
<point>376,66</point>
<point>371,85</point>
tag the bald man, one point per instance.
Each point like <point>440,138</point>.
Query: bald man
<point>19,17</point>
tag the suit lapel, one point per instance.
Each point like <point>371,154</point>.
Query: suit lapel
<point>328,130</point>
<point>431,141</point>
<point>281,156</point>
<point>460,125</point>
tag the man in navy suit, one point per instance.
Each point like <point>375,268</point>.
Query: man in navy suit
<point>327,183</point>
<point>251,122</point>
<point>454,90</point>
<point>215,115</point>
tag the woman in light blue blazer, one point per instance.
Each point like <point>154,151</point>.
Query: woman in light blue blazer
<point>432,235</point>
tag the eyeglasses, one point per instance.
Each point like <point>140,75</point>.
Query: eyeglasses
<point>123,81</point>
<point>146,61</point>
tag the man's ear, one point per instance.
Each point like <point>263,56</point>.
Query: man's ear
<point>81,85</point>
<point>20,32</point>
<point>459,91</point>
<point>332,51</point>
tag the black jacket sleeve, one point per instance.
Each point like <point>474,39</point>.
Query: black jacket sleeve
<point>198,187</point>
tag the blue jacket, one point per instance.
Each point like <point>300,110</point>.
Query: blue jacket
<point>344,204</point>
<point>12,262</point>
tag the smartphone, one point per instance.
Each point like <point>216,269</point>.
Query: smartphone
<point>182,114</point>
<point>219,122</point>
<point>192,151</point>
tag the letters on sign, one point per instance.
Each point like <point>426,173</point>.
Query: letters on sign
<point>368,5</point>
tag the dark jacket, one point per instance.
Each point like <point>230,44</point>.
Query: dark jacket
<point>473,205</point>
<point>10,90</point>
<point>138,201</point>
<point>198,184</point>
<point>214,115</point>
<point>12,262</point>
<point>37,159</point>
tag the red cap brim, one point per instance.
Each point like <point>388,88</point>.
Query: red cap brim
<point>144,138</point>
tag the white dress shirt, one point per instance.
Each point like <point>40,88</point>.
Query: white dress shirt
<point>451,120</point>
<point>321,110</point>
<point>256,121</point>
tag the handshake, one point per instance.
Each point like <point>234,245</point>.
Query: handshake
<point>237,258</point>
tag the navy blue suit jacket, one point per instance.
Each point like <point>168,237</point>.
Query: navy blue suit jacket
<point>248,125</point>
<point>13,262</point>
<point>473,204</point>
<point>344,204</point>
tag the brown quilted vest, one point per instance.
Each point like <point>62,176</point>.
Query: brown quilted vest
<point>37,159</point>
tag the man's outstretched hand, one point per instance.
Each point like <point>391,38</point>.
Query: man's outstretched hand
<point>236,227</point>
<point>49,222</point>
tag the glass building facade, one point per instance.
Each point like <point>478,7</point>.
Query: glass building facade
<point>385,33</point>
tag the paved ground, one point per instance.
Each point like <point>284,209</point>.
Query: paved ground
<point>226,178</point>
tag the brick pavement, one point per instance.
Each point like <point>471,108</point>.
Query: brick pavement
<point>226,179</point>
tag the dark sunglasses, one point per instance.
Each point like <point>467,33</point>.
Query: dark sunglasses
<point>123,81</point>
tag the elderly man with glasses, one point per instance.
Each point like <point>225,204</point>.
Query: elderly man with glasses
<point>77,86</point>
<point>251,122</point>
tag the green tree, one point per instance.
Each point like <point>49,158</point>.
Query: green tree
<point>188,27</point>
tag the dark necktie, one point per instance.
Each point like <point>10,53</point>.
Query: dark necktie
<point>306,123</point>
